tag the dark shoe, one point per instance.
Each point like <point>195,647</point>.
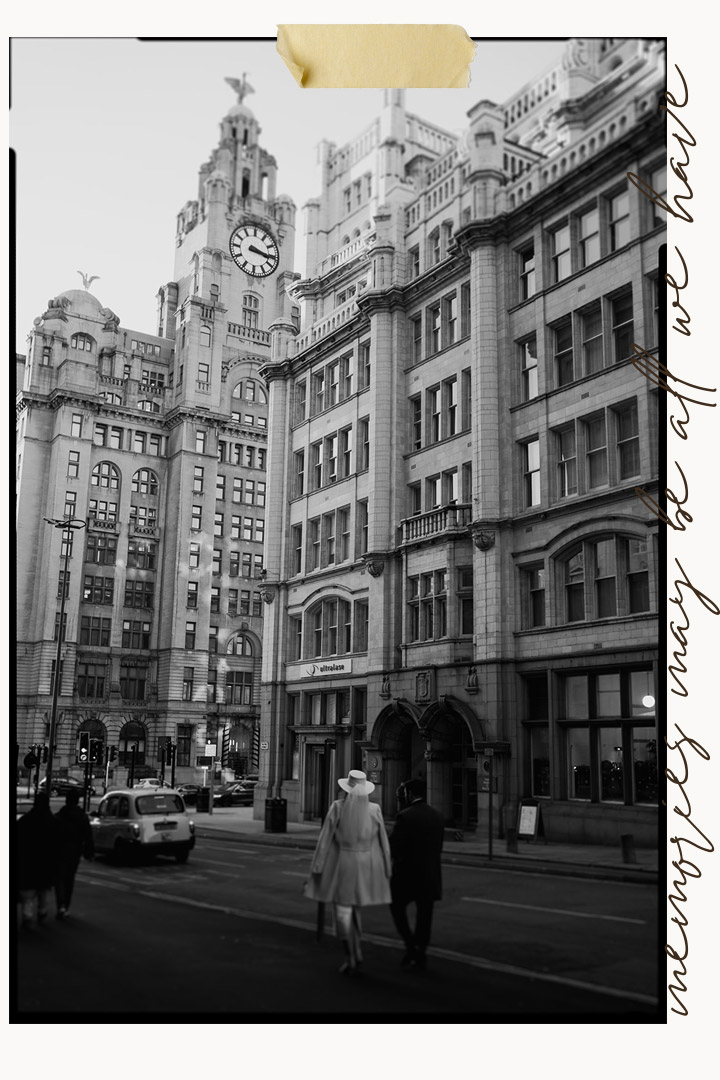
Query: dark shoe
<point>408,959</point>
<point>419,962</point>
<point>348,969</point>
<point>62,913</point>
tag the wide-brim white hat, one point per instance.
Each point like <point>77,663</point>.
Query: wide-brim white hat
<point>357,783</point>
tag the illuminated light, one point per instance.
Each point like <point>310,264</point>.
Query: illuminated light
<point>648,701</point>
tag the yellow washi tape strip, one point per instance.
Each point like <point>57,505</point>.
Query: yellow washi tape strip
<point>376,55</point>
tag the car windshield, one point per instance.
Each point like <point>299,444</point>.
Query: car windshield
<point>159,803</point>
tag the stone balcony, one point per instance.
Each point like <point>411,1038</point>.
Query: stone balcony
<point>451,519</point>
<point>327,325</point>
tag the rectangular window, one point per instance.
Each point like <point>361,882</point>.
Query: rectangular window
<point>328,539</point>
<point>433,326</point>
<point>300,401</point>
<point>432,492</point>
<point>318,392</point>
<point>200,441</point>
<point>416,422</point>
<point>95,631</point>
<point>196,518</point>
<point>563,352</point>
<point>364,365</point>
<point>561,262</point>
<point>199,480</point>
<point>605,579</point>
<point>313,559</point>
<point>465,322</point>
<point>596,452</point>
<point>465,599</point>
<point>450,486</point>
<point>619,220</point>
<point>219,524</point>
<point>101,550</point>
<point>589,230</point>
<point>332,383</point>
<point>628,441</point>
<point>638,576</point>
<point>450,324</point>
<point>232,607</point>
<point>346,452</point>
<point>190,628</point>
<point>139,594</point>
<point>234,570</point>
<point>529,368</point>
<point>90,680</point>
<point>298,473</point>
<point>217,562</point>
<point>592,338</point>
<point>416,339</point>
<point>297,533</point>
<point>133,679</point>
<point>346,376</point>
<point>73,469</point>
<point>330,462</point>
<point>432,412</point>
<point>364,443</point>
<point>622,326</point>
<point>414,262</point>
<point>98,590</point>
<point>244,601</point>
<point>527,273</point>
<point>535,579</point>
<point>362,519</point>
<point>192,594</point>
<point>249,493</point>
<point>531,467</point>
<point>215,599</point>
<point>135,634</point>
<point>188,679</point>
<point>540,760</point>
<point>315,466</point>
<point>343,534</point>
<point>450,408</point>
<point>567,462</point>
<point>100,435</point>
<point>575,588</point>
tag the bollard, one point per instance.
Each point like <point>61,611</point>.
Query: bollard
<point>628,848</point>
<point>511,841</point>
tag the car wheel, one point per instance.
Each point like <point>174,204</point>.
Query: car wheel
<point>182,856</point>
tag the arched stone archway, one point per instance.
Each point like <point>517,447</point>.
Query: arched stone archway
<point>453,734</point>
<point>401,749</point>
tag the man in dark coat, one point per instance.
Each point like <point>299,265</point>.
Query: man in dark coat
<point>416,843</point>
<point>36,860</point>
<point>74,840</point>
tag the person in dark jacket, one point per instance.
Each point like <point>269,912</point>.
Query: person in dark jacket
<point>36,860</point>
<point>415,844</point>
<point>74,840</point>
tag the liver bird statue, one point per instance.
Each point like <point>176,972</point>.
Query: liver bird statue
<point>240,86</point>
<point>87,281</point>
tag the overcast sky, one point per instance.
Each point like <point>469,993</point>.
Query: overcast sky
<point>109,135</point>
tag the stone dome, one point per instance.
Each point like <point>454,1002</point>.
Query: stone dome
<point>83,303</point>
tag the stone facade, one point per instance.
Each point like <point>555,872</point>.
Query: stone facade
<point>460,565</point>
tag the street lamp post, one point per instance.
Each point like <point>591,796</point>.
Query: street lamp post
<point>68,524</point>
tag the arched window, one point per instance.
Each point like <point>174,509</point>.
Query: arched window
<point>82,342</point>
<point>239,645</point>
<point>132,735</point>
<point>105,475</point>
<point>205,336</point>
<point>603,577</point>
<point>250,310</point>
<point>145,482</point>
<point>328,628</point>
<point>149,406</point>
<point>251,390</point>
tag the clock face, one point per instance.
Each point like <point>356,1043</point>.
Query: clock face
<point>254,250</point>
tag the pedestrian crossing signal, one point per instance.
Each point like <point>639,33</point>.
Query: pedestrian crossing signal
<point>95,750</point>
<point>84,747</point>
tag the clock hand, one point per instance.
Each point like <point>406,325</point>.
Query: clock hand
<point>256,251</point>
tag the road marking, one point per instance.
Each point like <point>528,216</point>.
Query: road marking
<point>554,911</point>
<point>293,873</point>
<point>389,943</point>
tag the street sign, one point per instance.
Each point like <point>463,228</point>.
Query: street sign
<point>211,749</point>
<point>30,761</point>
<point>264,746</point>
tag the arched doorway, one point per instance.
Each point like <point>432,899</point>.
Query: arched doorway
<point>132,735</point>
<point>452,732</point>
<point>401,750</point>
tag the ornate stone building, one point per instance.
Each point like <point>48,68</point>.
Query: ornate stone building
<point>158,442</point>
<point>459,568</point>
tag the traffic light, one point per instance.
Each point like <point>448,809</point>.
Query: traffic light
<point>113,753</point>
<point>95,750</point>
<point>84,747</point>
<point>44,754</point>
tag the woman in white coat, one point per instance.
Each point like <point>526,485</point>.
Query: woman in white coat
<point>351,865</point>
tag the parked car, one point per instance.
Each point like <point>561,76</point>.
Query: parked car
<point>143,821</point>
<point>238,793</point>
<point>151,782</point>
<point>189,792</point>
<point>61,785</point>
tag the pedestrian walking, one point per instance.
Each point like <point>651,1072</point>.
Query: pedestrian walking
<point>36,860</point>
<point>74,840</point>
<point>415,843</point>
<point>351,864</point>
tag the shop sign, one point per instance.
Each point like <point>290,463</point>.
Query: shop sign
<point>320,668</point>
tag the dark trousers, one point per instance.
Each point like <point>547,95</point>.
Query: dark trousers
<point>64,882</point>
<point>417,940</point>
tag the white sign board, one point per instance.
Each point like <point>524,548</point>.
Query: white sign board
<point>210,749</point>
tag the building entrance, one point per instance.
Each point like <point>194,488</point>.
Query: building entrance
<point>319,773</point>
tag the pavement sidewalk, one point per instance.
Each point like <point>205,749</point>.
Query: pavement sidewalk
<point>587,860</point>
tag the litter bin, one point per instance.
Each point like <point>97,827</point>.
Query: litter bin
<point>276,815</point>
<point>203,801</point>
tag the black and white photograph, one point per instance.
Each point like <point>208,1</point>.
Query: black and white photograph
<point>341,556</point>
